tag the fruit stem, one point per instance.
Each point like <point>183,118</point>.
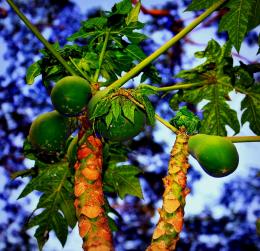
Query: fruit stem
<point>241,139</point>
<point>177,86</point>
<point>134,71</point>
<point>41,38</point>
<point>101,57</point>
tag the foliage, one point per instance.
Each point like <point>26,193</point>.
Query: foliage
<point>218,78</point>
<point>185,118</point>
<point>240,18</point>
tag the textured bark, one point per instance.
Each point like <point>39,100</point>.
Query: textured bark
<point>166,233</point>
<point>89,202</point>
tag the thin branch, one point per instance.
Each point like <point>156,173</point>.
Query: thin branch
<point>41,38</point>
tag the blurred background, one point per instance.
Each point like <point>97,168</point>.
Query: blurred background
<point>220,214</point>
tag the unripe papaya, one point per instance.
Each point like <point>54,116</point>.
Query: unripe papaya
<point>48,135</point>
<point>122,129</point>
<point>71,95</point>
<point>217,155</point>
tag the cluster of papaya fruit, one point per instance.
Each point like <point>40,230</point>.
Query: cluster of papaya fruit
<point>50,131</point>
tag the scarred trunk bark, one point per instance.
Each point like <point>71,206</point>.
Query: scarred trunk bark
<point>166,233</point>
<point>89,202</point>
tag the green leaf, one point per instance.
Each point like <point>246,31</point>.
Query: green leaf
<point>116,107</point>
<point>133,14</point>
<point>85,34</point>
<point>101,108</point>
<point>254,16</point>
<point>251,108</point>
<point>32,72</point>
<point>217,114</point>
<point>235,22</point>
<point>135,52</point>
<point>200,4</point>
<point>185,118</point>
<point>215,74</point>
<point>129,110</point>
<point>94,22</point>
<point>54,182</point>
<point>144,100</point>
<point>123,7</point>
<point>135,37</point>
<point>123,180</point>
<point>109,118</point>
<point>60,227</point>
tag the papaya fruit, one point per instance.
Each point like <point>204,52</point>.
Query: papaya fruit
<point>217,155</point>
<point>48,134</point>
<point>121,129</point>
<point>70,95</point>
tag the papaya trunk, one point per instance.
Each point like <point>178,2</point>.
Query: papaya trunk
<point>89,202</point>
<point>166,233</point>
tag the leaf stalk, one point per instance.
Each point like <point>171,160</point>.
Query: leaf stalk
<point>101,57</point>
<point>41,38</point>
<point>134,71</point>
<point>243,139</point>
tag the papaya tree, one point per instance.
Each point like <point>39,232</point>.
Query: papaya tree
<point>80,148</point>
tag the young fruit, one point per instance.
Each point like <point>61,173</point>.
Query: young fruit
<point>71,95</point>
<point>121,129</point>
<point>217,155</point>
<point>48,134</point>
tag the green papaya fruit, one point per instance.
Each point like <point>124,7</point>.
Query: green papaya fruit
<point>217,155</point>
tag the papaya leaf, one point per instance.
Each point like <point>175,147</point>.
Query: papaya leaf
<point>33,71</point>
<point>109,118</point>
<point>254,17</point>
<point>133,14</point>
<point>215,74</point>
<point>123,180</point>
<point>185,118</point>
<point>149,109</point>
<point>200,4</point>
<point>101,108</point>
<point>53,181</point>
<point>84,34</point>
<point>129,110</point>
<point>135,37</point>
<point>95,23</point>
<point>217,114</point>
<point>123,7</point>
<point>250,106</point>
<point>116,107</point>
<point>235,22</point>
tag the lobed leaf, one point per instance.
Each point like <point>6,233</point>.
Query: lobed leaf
<point>235,22</point>
<point>123,7</point>
<point>216,74</point>
<point>57,196</point>
<point>250,106</point>
<point>200,4</point>
<point>123,180</point>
